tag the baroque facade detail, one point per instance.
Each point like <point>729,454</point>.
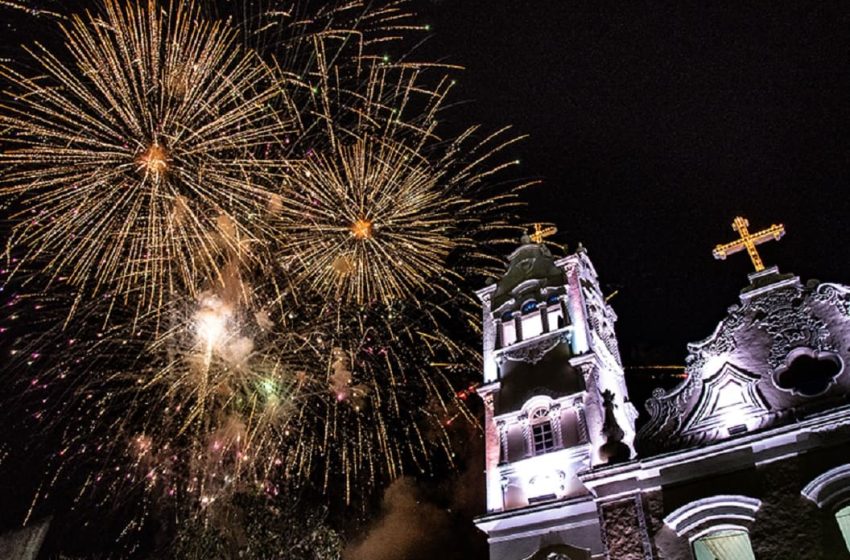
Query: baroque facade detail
<point>573,481</point>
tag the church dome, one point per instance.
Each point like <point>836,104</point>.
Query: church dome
<point>531,269</point>
<point>778,356</point>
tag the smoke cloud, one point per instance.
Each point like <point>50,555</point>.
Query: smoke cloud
<point>408,529</point>
<point>423,522</point>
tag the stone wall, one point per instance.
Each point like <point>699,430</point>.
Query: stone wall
<point>787,525</point>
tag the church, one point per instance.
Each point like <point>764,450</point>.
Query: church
<point>747,458</point>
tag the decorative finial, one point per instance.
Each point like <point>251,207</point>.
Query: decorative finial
<point>540,233</point>
<point>749,241</point>
<point>613,450</point>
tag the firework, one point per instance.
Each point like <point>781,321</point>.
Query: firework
<point>370,222</point>
<point>225,399</point>
<point>379,204</point>
<point>133,147</point>
<point>379,405</point>
<point>191,403</point>
<point>308,313</point>
<point>381,222</point>
<point>286,30</point>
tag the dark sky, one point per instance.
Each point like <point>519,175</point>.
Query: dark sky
<point>653,125</point>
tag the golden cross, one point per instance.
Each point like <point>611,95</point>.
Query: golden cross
<point>749,241</point>
<point>540,233</point>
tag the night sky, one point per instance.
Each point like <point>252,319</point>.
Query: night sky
<point>651,126</point>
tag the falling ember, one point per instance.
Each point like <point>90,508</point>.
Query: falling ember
<point>362,229</point>
<point>154,160</point>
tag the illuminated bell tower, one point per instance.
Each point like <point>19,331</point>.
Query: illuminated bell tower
<point>554,390</point>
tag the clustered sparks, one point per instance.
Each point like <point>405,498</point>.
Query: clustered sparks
<point>239,249</point>
<point>130,146</point>
<point>370,222</point>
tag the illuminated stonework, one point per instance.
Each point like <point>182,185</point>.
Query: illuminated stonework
<point>720,468</point>
<point>738,378</point>
<point>549,357</point>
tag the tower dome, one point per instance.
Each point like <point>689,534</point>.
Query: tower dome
<point>532,275</point>
<point>554,390</point>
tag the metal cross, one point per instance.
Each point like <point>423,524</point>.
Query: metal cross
<point>749,241</point>
<point>540,233</point>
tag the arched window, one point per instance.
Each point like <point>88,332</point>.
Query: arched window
<point>530,305</point>
<point>831,491</point>
<point>729,544</point>
<point>542,436</point>
<point>717,526</point>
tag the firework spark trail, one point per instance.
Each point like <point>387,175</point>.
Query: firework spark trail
<point>133,143</point>
<point>29,7</point>
<point>301,310</point>
<point>382,220</point>
<point>379,202</point>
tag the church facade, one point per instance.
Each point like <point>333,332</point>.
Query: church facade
<point>747,458</point>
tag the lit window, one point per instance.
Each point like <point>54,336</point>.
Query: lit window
<point>724,545</point>
<point>543,439</point>
<point>843,518</point>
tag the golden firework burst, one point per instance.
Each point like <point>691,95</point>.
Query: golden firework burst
<point>132,144</point>
<point>370,221</point>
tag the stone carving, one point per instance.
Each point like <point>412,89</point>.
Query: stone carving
<point>601,318</point>
<point>582,424</point>
<point>788,318</point>
<point>535,351</point>
<point>729,398</point>
<point>834,294</point>
<point>502,426</point>
<point>555,419</point>
<point>666,409</point>
<point>759,339</point>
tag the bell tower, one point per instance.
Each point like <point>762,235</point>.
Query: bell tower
<point>554,390</point>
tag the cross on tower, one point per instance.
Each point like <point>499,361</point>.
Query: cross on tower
<point>540,233</point>
<point>749,241</point>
